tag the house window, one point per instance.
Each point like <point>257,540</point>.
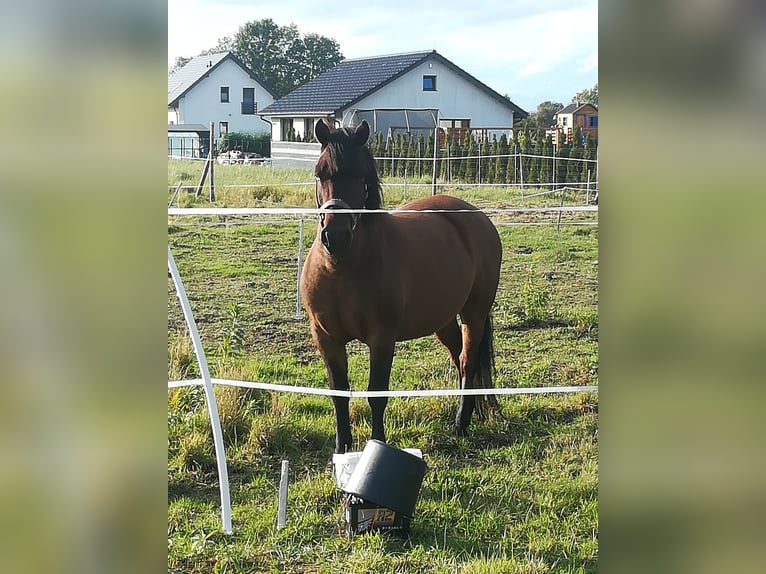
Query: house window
<point>429,83</point>
<point>593,121</point>
<point>288,133</point>
<point>224,94</point>
<point>308,130</point>
<point>564,121</point>
<point>248,101</point>
<point>224,128</point>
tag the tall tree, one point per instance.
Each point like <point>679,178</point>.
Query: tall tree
<point>178,64</point>
<point>281,56</point>
<point>587,96</point>
<point>543,117</point>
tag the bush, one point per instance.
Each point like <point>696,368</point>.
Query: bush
<point>248,142</point>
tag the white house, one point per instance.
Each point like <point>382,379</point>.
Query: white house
<point>415,81</point>
<point>218,88</point>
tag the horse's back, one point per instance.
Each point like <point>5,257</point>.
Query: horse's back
<point>473,228</point>
<point>449,255</point>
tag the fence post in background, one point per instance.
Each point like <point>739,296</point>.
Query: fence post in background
<point>587,190</point>
<point>298,314</point>
<point>558,223</point>
<point>553,186</point>
<point>478,170</point>
<point>521,174</point>
<point>211,161</point>
<point>436,146</point>
<point>175,193</point>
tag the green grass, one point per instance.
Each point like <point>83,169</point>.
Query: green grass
<point>518,495</point>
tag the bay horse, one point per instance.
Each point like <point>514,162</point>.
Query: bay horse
<point>385,277</point>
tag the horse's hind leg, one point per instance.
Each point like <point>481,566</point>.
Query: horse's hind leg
<point>473,331</point>
<point>450,337</point>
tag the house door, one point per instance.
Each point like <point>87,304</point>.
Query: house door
<point>248,101</point>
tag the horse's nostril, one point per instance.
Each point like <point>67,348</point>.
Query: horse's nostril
<point>336,240</point>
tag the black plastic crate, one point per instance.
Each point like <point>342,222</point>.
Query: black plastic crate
<point>362,516</point>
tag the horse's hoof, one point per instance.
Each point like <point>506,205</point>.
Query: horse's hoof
<point>461,431</point>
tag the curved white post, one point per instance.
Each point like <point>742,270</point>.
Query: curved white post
<point>212,406</point>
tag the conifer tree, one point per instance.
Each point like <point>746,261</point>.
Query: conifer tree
<point>575,153</point>
<point>388,162</point>
<point>428,152</point>
<point>412,164</point>
<point>545,162</point>
<point>377,151</point>
<point>492,162</point>
<point>401,153</point>
<point>524,159</point>
<point>562,163</point>
<point>485,168</point>
<point>510,164</point>
<point>469,175</point>
<point>455,151</point>
<point>443,168</point>
<point>502,161</point>
<point>589,153</point>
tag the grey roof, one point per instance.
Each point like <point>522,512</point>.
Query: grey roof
<point>572,108</point>
<point>198,68</point>
<point>187,128</point>
<point>353,80</point>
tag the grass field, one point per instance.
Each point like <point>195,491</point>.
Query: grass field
<point>518,495</point>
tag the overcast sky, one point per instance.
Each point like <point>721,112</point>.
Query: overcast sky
<point>531,50</point>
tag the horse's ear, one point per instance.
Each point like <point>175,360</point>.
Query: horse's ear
<point>322,132</point>
<point>362,133</point>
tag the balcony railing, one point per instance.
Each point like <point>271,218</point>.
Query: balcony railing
<point>249,108</point>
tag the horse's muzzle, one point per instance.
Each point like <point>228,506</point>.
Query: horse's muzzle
<point>335,236</point>
<point>336,240</point>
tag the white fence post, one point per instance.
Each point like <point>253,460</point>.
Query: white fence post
<point>212,406</point>
<point>300,265</point>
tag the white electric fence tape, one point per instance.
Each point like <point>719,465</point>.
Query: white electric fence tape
<point>399,393</point>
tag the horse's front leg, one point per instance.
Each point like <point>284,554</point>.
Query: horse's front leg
<point>336,362</point>
<point>381,358</point>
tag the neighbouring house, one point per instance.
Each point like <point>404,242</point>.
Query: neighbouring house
<point>413,85</point>
<point>583,115</point>
<point>217,88</point>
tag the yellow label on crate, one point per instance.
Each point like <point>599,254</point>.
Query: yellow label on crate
<point>384,515</point>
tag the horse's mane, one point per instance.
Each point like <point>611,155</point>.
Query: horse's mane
<point>343,155</point>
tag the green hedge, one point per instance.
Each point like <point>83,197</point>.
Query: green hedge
<point>249,142</point>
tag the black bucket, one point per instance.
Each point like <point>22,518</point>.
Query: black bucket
<point>388,477</point>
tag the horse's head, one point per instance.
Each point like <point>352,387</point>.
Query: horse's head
<point>346,178</point>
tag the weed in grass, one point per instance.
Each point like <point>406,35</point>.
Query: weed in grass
<point>533,308</point>
<point>234,413</point>
<point>182,362</point>
<point>232,334</point>
<point>195,451</point>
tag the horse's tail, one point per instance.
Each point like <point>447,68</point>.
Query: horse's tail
<point>486,404</point>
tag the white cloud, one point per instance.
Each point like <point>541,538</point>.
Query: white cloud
<point>514,46</point>
<point>588,63</point>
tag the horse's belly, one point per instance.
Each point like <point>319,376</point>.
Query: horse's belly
<point>432,303</point>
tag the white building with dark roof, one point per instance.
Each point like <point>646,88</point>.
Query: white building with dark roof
<point>411,81</point>
<point>218,88</point>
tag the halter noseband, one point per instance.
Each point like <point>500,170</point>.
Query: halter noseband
<point>337,204</point>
